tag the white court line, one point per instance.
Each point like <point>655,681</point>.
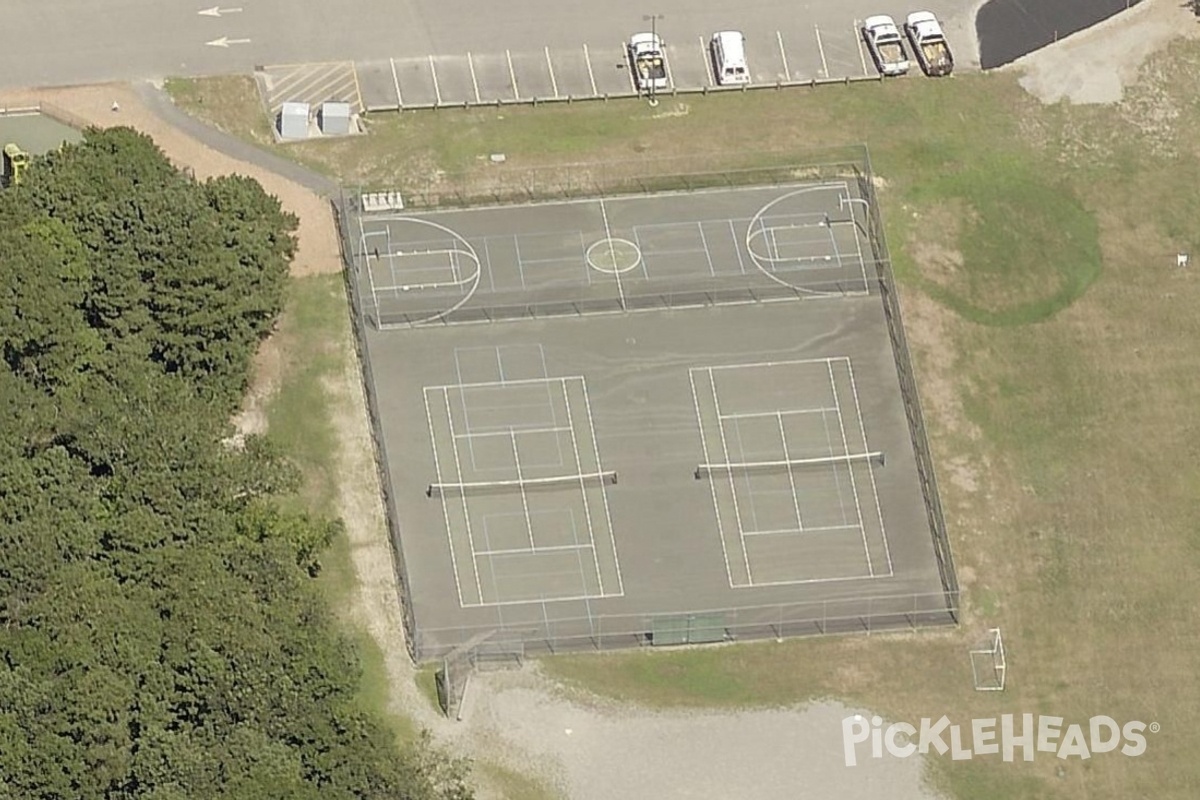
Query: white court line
<point>821,50</point>
<point>391,259</point>
<point>520,269</point>
<point>862,262</point>
<point>524,495</point>
<point>791,475</point>
<point>474,82</point>
<point>518,551</point>
<point>870,469</point>
<point>778,363</point>
<point>707,254</point>
<point>804,531</point>
<point>574,598</point>
<point>396,83</point>
<point>437,468</point>
<point>466,511</point>
<point>509,429</point>
<point>785,412</point>
<point>612,254</point>
<point>804,581</point>
<point>612,539</point>
<point>853,482</point>
<point>711,479</point>
<point>737,513</point>
<point>591,76</point>
<point>783,54</point>
<point>487,257</point>
<point>495,384</point>
<point>737,247</point>
<point>370,277</point>
<point>837,477</point>
<point>550,66</point>
<point>512,74</point>
<point>587,509</point>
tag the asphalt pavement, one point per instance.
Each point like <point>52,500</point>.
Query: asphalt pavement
<point>62,42</point>
<point>1009,29</point>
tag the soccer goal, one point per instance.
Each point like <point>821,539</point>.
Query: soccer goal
<point>989,666</point>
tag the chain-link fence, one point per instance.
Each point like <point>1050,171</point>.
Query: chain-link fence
<point>507,183</point>
<point>544,633</point>
<point>604,631</point>
<point>341,210</point>
<point>908,389</point>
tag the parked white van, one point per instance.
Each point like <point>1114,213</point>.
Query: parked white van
<point>729,58</point>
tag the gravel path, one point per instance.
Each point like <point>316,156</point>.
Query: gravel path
<point>594,752</point>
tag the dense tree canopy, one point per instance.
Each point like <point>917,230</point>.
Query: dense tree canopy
<point>159,633</point>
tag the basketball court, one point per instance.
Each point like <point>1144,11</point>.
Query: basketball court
<point>729,462</point>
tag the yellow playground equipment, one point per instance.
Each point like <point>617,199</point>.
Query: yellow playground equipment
<point>16,161</point>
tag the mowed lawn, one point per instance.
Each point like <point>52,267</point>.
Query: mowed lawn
<point>1056,348</point>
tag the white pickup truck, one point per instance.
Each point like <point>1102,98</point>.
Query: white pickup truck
<point>647,61</point>
<point>886,45</point>
<point>929,44</point>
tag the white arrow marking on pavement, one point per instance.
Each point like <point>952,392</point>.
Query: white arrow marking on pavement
<point>217,11</point>
<point>225,42</point>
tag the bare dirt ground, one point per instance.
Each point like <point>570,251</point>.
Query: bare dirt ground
<point>1095,65</point>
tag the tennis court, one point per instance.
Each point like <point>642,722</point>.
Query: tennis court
<point>732,462</point>
<point>522,486</point>
<point>792,474</point>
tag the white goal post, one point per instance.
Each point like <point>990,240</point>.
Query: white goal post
<point>989,665</point>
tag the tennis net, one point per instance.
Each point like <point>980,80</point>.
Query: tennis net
<point>608,477</point>
<point>706,470</point>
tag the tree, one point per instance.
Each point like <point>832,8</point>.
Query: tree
<point>160,635</point>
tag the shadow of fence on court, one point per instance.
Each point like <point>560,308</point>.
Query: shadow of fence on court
<point>908,389</point>
<point>507,183</point>
<point>341,207</point>
<point>544,634</point>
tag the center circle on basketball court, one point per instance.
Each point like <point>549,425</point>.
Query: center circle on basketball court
<point>614,256</point>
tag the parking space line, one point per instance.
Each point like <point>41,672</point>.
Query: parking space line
<point>708,67</point>
<point>396,83</point>
<point>667,65</point>
<point>550,66</point>
<point>437,92</point>
<point>357,86</point>
<point>858,41</point>
<point>591,75</point>
<point>821,50</point>
<point>474,82</point>
<point>512,74</point>
<point>629,65</point>
<point>783,54</point>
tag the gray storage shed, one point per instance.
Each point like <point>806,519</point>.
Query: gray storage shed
<point>293,121</point>
<point>335,119</point>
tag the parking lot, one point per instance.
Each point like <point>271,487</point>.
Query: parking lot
<point>797,54</point>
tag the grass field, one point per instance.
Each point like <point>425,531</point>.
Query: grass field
<point>1055,347</point>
